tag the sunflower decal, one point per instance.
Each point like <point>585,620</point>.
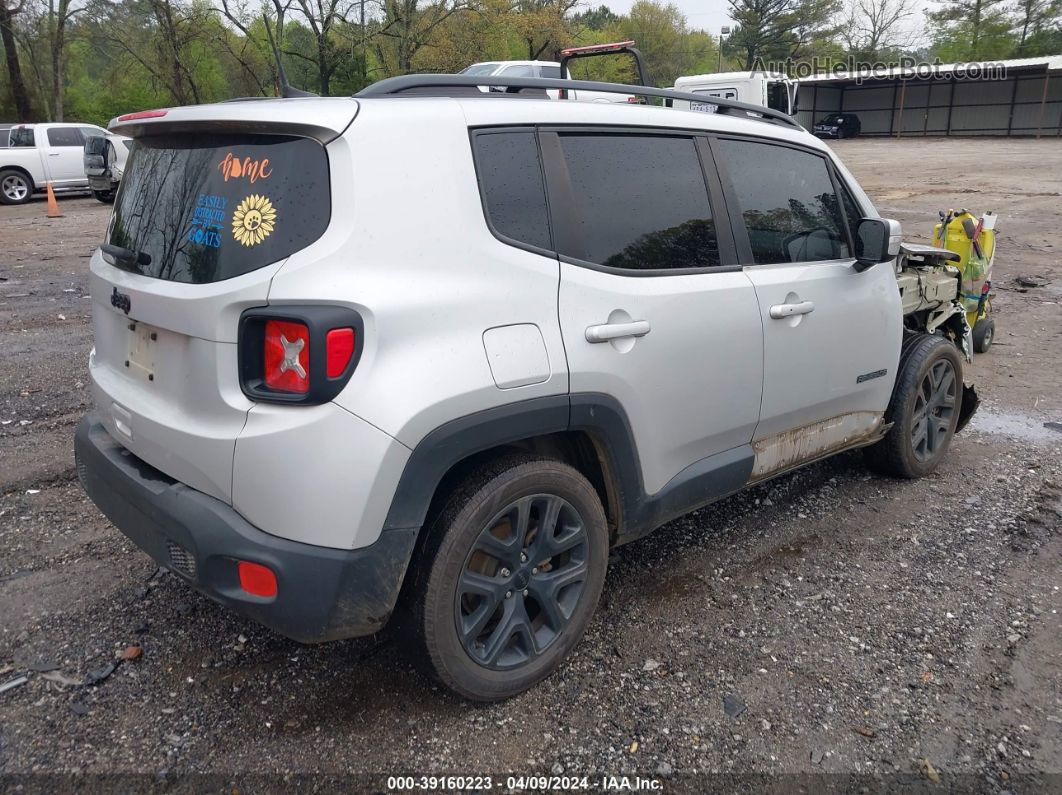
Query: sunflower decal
<point>253,220</point>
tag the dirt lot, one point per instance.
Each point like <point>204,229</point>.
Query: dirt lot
<point>853,625</point>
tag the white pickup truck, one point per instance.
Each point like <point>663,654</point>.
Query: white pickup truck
<point>40,153</point>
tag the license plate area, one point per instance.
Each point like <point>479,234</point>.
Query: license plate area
<point>704,107</point>
<point>143,348</point>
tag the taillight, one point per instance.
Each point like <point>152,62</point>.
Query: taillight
<point>287,356</point>
<point>339,348</point>
<point>298,354</point>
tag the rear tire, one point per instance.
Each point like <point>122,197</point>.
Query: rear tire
<point>984,331</point>
<point>924,409</point>
<point>105,196</point>
<point>15,187</point>
<point>509,577</point>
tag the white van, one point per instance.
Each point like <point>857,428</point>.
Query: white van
<point>771,89</point>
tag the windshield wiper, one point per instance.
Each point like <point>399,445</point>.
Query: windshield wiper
<point>126,256</point>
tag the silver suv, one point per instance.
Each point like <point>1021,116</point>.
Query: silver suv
<point>425,354</point>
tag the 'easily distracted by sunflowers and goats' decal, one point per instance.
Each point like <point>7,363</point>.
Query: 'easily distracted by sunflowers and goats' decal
<point>253,220</point>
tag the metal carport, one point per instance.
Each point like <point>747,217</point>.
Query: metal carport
<point>1026,99</point>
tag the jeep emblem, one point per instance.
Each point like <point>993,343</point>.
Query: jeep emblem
<point>121,301</point>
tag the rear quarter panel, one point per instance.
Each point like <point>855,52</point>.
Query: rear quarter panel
<point>409,248</point>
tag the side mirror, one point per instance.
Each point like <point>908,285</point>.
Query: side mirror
<point>877,240</point>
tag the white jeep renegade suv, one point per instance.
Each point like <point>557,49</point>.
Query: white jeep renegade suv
<point>429,353</point>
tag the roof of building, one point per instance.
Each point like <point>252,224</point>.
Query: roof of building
<point>1050,63</point>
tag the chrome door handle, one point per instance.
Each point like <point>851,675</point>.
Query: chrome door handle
<point>779,311</point>
<point>616,331</point>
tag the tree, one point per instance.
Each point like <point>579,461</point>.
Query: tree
<point>779,29</point>
<point>544,25</point>
<point>661,33</point>
<point>873,28</point>
<point>967,30</point>
<point>600,18</point>
<point>407,28</point>
<point>1034,18</point>
<point>19,94</point>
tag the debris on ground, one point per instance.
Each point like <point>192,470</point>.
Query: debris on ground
<point>733,706</point>
<point>1031,281</point>
<point>131,653</point>
<point>62,679</point>
<point>100,674</point>
<point>11,684</point>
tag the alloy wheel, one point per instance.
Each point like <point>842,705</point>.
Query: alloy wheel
<point>521,581</point>
<point>14,187</point>
<point>934,410</point>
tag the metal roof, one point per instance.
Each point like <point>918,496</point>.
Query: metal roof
<point>1051,63</point>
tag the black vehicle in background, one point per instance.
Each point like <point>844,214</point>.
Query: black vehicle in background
<point>838,125</point>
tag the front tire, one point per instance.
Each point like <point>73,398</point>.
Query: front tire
<point>105,196</point>
<point>15,187</point>
<point>924,409</point>
<point>510,576</point>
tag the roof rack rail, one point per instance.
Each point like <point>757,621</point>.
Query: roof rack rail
<point>440,85</point>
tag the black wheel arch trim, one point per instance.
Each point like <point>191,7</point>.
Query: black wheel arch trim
<point>603,419</point>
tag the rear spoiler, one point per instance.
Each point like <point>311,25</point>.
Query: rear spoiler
<point>323,119</point>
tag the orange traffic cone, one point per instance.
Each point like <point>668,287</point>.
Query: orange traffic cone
<point>53,205</point>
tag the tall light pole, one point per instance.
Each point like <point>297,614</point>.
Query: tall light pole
<point>724,31</point>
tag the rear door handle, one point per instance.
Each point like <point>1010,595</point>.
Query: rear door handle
<point>779,311</point>
<point>616,331</point>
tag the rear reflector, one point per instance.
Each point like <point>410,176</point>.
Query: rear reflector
<point>339,348</point>
<point>287,356</point>
<point>257,580</point>
<point>143,114</point>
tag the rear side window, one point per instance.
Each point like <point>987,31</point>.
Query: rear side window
<point>64,136</point>
<point>788,202</point>
<point>510,179</point>
<point>641,202</point>
<point>22,136</point>
<point>210,207</point>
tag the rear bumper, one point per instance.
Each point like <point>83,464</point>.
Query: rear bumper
<point>101,182</point>
<point>322,593</point>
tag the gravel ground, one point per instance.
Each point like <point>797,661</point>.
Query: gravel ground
<point>828,629</point>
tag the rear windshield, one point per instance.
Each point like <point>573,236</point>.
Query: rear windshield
<point>210,207</point>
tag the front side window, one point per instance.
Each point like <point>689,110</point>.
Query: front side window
<point>787,201</point>
<point>510,179</point>
<point>640,201</point>
<point>64,136</point>
<point>209,207</point>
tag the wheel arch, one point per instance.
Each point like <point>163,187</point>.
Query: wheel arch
<point>589,432</point>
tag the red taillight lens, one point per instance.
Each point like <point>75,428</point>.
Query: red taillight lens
<point>287,356</point>
<point>257,580</point>
<point>339,348</point>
